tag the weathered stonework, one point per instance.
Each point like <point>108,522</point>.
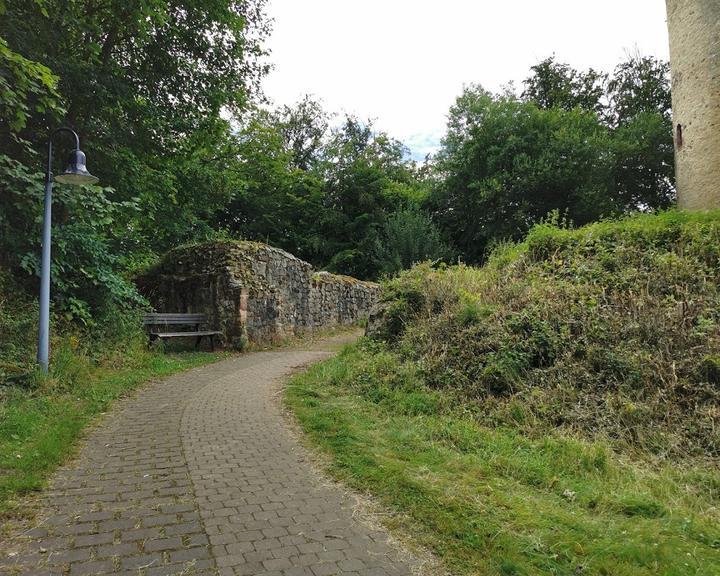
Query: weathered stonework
<point>254,291</point>
<point>694,27</point>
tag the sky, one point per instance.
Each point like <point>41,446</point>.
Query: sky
<point>402,63</point>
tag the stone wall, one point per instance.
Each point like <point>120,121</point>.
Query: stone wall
<point>255,291</point>
<point>694,29</point>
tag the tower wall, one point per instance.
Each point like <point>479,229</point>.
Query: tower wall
<point>694,28</point>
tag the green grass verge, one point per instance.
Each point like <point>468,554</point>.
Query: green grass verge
<point>40,426</point>
<point>492,501</point>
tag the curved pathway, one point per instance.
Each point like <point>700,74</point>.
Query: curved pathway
<point>199,474</point>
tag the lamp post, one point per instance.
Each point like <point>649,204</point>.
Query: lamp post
<point>75,173</point>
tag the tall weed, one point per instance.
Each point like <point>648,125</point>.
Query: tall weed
<point>611,330</point>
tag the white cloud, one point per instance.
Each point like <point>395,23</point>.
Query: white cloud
<point>403,62</point>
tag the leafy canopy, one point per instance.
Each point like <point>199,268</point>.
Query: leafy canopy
<point>586,144</point>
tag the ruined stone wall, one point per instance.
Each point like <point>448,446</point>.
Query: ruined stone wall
<point>255,291</point>
<point>694,28</point>
<point>338,300</point>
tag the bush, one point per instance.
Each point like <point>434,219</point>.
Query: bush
<point>408,237</point>
<point>18,327</point>
<point>608,330</point>
<point>115,338</point>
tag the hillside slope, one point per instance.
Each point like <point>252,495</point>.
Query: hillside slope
<point>612,330</point>
<point>554,412</point>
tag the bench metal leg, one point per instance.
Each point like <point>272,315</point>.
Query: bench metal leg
<point>212,343</point>
<point>197,342</point>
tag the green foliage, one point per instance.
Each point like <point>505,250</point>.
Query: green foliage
<point>18,326</point>
<point>107,336</point>
<point>275,201</point>
<point>409,236</point>
<point>324,195</point>
<point>640,84</point>
<point>610,330</point>
<point>145,85</point>
<point>587,144</point>
<point>366,179</point>
<point>86,272</point>
<point>556,85</point>
<point>26,88</point>
<point>508,163</point>
<point>491,500</point>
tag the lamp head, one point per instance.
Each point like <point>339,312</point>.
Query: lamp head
<point>76,172</point>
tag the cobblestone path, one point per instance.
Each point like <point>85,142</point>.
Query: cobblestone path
<point>199,474</point>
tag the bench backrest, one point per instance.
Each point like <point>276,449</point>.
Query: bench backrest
<point>151,319</point>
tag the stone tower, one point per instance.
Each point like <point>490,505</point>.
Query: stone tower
<point>694,27</point>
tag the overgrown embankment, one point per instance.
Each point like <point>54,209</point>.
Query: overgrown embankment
<point>612,330</point>
<point>554,412</point>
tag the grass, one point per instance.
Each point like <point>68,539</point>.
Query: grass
<point>554,412</point>
<point>40,426</point>
<point>610,330</point>
<point>492,501</point>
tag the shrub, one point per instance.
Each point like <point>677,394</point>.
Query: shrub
<point>612,329</point>
<point>114,339</point>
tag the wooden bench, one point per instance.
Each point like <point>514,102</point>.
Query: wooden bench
<point>159,326</point>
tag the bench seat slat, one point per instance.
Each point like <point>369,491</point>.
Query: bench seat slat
<point>178,334</point>
<point>174,319</point>
<point>187,318</point>
<point>176,314</point>
<point>174,322</point>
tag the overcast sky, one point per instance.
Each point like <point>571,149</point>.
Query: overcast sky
<point>403,62</point>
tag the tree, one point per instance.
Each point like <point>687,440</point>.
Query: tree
<point>584,143</point>
<point>323,194</point>
<point>640,84</point>
<point>409,236</point>
<point>366,178</point>
<point>557,85</point>
<point>274,200</point>
<point>148,86</point>
<point>506,163</point>
<point>640,113</point>
<point>27,88</point>
<point>304,128</point>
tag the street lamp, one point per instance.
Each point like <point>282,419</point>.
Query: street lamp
<point>75,173</point>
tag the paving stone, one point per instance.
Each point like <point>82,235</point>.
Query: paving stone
<point>277,564</point>
<point>186,528</point>
<point>174,543</point>
<point>120,524</point>
<point>94,539</point>
<point>328,569</point>
<point>195,540</point>
<point>95,567</point>
<point>125,549</point>
<point>139,534</point>
<point>198,474</point>
<point>71,555</point>
<point>350,565</point>
<point>141,561</point>
<point>160,520</point>
<point>197,553</point>
<point>94,516</point>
